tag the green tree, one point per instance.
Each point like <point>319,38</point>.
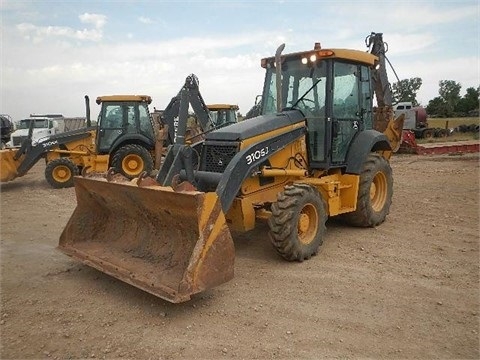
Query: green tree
<point>438,107</point>
<point>406,90</point>
<point>450,93</point>
<point>469,102</point>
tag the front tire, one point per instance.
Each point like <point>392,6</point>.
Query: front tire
<point>374,194</point>
<point>60,172</point>
<point>131,160</point>
<point>297,224</point>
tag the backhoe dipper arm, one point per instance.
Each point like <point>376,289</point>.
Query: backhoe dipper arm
<point>180,127</point>
<point>383,92</point>
<point>170,116</point>
<point>381,85</point>
<point>195,99</point>
<point>176,112</point>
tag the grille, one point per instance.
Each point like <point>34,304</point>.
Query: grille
<point>17,140</point>
<point>217,157</point>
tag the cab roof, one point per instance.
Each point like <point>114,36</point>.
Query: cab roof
<point>214,107</point>
<point>124,98</point>
<point>346,54</point>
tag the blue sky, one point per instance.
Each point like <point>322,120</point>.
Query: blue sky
<point>55,52</point>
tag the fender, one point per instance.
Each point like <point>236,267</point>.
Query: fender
<point>362,145</point>
<point>133,139</point>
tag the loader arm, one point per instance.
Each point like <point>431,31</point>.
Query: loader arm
<point>240,167</point>
<point>16,163</point>
<point>181,161</point>
<point>228,183</point>
<point>50,143</point>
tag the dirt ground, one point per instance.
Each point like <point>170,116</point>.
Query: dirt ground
<point>408,289</point>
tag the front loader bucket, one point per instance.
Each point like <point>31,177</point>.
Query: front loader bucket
<point>171,244</point>
<point>8,165</point>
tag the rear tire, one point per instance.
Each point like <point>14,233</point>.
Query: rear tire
<point>441,133</point>
<point>297,224</point>
<point>374,194</point>
<point>60,172</point>
<point>428,134</point>
<point>131,160</point>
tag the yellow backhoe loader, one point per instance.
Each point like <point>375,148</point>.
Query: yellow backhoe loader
<point>316,151</point>
<point>223,114</point>
<point>124,139</point>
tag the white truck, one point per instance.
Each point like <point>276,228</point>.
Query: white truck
<point>416,121</point>
<point>43,126</point>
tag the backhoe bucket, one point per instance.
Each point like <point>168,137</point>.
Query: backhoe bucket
<point>8,165</point>
<point>171,244</point>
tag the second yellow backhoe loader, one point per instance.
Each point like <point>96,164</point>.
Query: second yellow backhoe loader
<point>123,139</point>
<point>319,149</point>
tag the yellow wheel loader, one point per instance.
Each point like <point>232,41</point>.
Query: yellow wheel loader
<point>312,154</point>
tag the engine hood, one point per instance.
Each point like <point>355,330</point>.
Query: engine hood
<point>255,126</point>
<point>24,132</point>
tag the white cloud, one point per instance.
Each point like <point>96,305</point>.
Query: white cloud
<point>407,44</point>
<point>157,69</point>
<point>401,15</point>
<point>38,34</point>
<point>428,15</point>
<point>145,20</point>
<point>97,20</point>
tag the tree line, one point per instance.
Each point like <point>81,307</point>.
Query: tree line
<point>449,103</point>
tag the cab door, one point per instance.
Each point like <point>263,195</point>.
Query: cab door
<point>115,121</point>
<point>351,99</point>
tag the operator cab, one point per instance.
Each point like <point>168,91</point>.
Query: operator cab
<point>123,118</point>
<point>333,91</point>
<point>223,114</point>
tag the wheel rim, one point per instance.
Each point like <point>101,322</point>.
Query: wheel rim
<point>132,164</point>
<point>378,191</point>
<point>307,224</point>
<point>62,174</point>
